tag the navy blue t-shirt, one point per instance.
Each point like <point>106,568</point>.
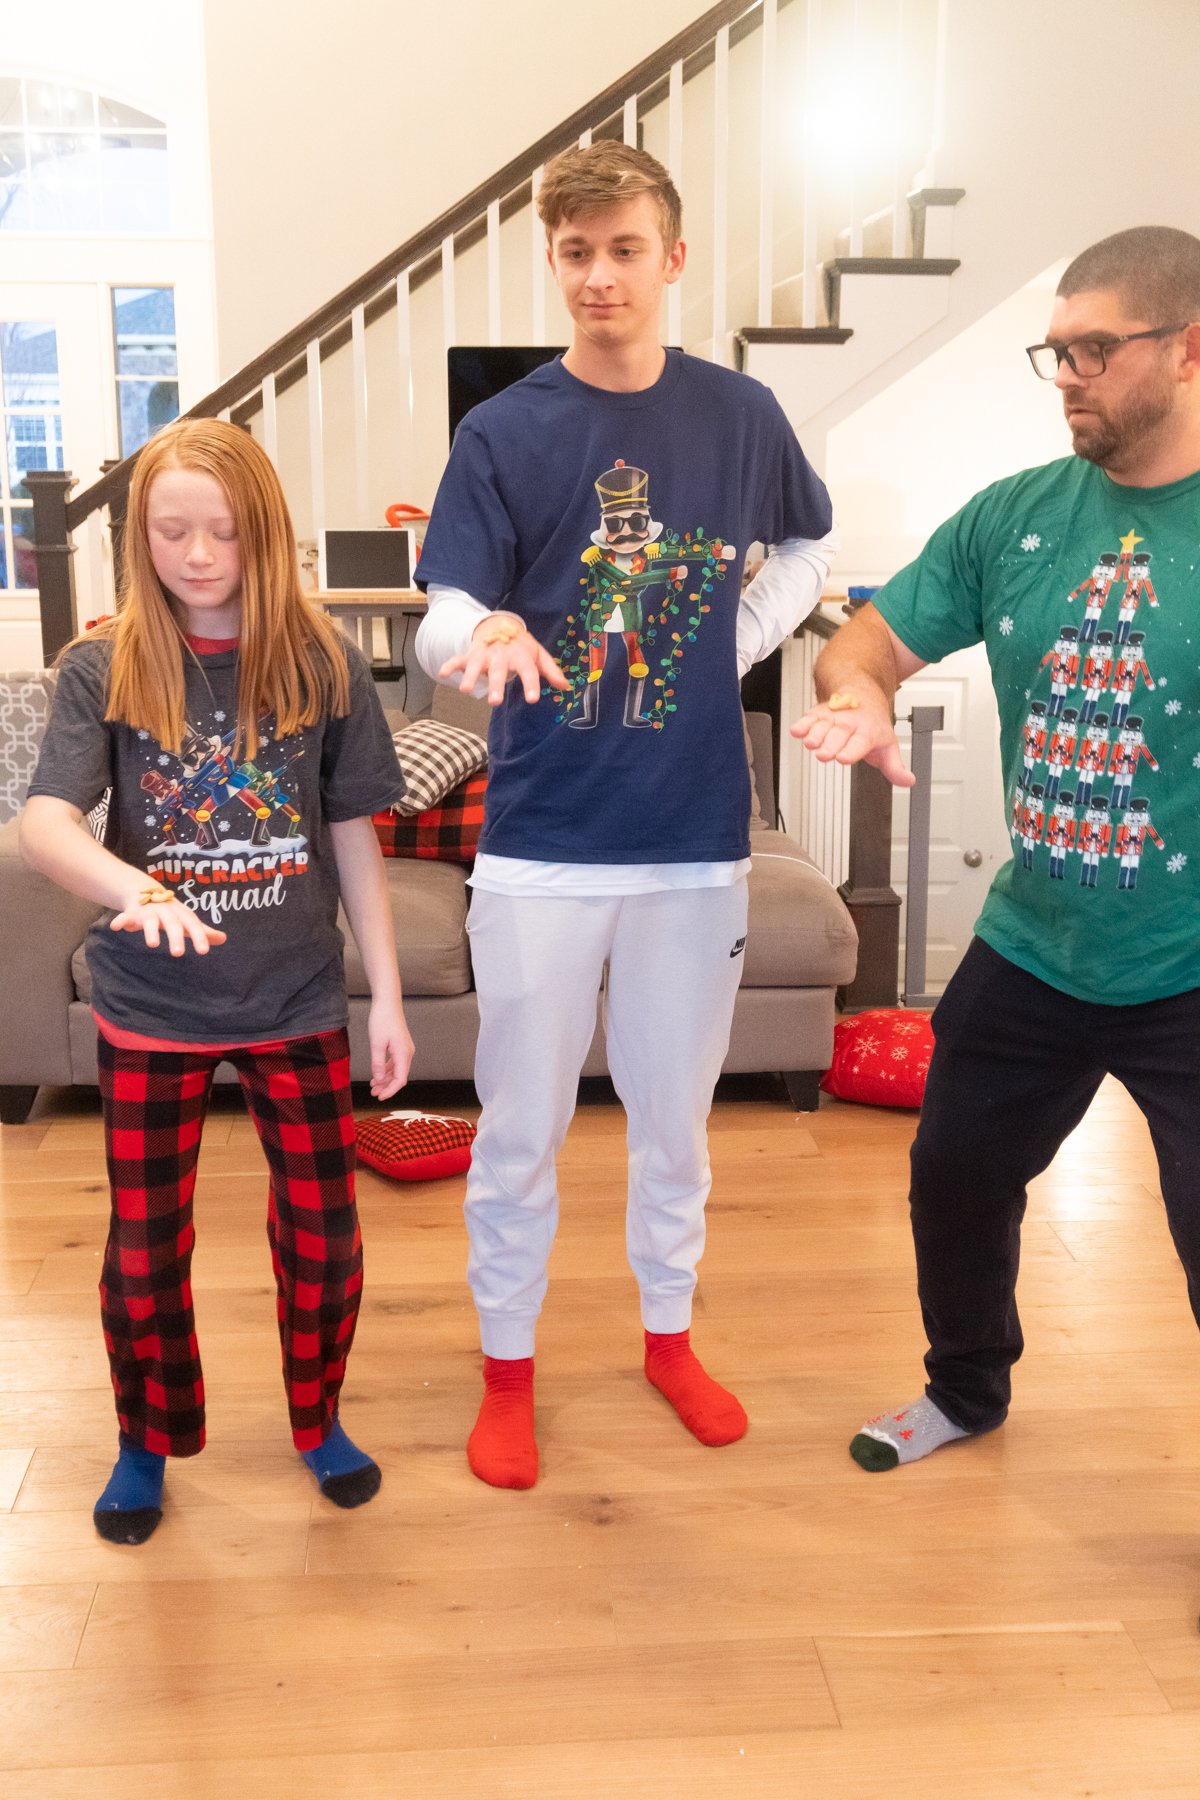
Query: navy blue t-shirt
<point>615,525</point>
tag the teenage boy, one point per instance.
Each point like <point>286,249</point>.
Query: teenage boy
<point>1066,980</point>
<point>610,496</point>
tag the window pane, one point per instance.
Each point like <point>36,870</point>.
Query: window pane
<point>12,155</point>
<point>71,107</point>
<point>29,363</point>
<point>64,182</point>
<point>3,557</point>
<point>32,442</point>
<point>115,112</point>
<point>10,104</point>
<point>145,407</point>
<point>24,570</point>
<point>144,331</point>
<point>133,175</point>
<point>14,206</point>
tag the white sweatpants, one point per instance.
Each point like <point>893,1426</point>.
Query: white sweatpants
<point>674,962</point>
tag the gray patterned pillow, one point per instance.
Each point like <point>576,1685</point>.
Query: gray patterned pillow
<point>433,759</point>
<point>24,708</point>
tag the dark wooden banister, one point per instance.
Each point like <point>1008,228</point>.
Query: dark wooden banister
<point>693,46</point>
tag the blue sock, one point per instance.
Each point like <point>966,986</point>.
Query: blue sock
<point>346,1475</point>
<point>131,1505</point>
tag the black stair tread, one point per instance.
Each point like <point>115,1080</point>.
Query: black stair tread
<point>936,196</point>
<point>892,265</point>
<point>794,334</point>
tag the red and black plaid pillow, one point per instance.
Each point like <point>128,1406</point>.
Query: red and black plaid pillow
<point>415,1146</point>
<point>448,832</point>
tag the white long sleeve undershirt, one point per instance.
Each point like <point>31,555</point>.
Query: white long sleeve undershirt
<point>779,598</point>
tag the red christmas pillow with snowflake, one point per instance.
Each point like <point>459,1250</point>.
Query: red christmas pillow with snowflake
<point>415,1146</point>
<point>881,1057</point>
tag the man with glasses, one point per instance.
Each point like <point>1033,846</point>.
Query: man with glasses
<point>1065,981</point>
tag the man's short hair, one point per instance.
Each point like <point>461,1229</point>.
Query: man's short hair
<point>607,173</point>
<point>1155,270</point>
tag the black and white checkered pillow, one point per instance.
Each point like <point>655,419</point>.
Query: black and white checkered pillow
<point>433,759</point>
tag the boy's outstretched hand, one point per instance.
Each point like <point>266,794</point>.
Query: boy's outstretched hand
<point>502,648</point>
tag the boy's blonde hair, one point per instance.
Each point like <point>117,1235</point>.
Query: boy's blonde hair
<point>293,658</point>
<point>607,173</point>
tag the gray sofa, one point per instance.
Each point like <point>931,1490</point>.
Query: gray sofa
<point>801,947</point>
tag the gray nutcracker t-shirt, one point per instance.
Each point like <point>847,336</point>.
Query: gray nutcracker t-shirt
<point>244,842</point>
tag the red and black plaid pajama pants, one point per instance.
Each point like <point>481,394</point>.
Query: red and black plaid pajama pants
<point>155,1101</point>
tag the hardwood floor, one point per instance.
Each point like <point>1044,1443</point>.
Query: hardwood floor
<point>1016,1616</point>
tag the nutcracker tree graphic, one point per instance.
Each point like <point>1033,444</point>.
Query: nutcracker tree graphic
<point>646,585</point>
<point>1096,738</point>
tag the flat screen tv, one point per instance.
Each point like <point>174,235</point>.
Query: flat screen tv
<point>475,372</point>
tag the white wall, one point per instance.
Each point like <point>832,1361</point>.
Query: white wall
<point>338,132</point>
<point>972,412</point>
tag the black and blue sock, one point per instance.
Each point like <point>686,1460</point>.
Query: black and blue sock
<point>130,1507</point>
<point>346,1475</point>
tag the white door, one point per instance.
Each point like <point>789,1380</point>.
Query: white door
<point>968,833</point>
<point>55,399</point>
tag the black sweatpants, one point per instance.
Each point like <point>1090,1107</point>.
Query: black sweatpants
<point>1015,1068</point>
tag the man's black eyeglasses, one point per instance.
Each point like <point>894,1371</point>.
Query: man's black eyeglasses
<point>1087,356</point>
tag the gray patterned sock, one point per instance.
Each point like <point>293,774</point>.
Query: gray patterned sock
<point>903,1436</point>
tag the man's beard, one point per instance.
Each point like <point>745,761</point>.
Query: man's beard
<point>1110,440</point>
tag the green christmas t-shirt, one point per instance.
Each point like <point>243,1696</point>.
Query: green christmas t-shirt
<point>1086,594</point>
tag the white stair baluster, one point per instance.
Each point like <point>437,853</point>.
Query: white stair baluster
<point>812,27</point>
<point>720,251</point>
<point>270,419</point>
<point>766,201</point>
<point>899,147</point>
<point>358,356</point>
<point>675,169</point>
<point>537,333</point>
<point>585,140</point>
<point>855,158</point>
<point>448,290</point>
<point>223,415</point>
<point>493,268</point>
<point>404,361</point>
<point>629,121</point>
<point>316,442</point>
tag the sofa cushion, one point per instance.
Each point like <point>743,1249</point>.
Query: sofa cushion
<point>24,708</point>
<point>434,758</point>
<point>448,832</point>
<point>429,912</point>
<point>800,933</point>
<point>881,1057</point>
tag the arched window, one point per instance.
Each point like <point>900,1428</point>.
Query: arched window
<point>73,160</point>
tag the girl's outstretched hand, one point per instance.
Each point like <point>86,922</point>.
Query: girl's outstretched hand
<point>168,918</point>
<point>391,1048</point>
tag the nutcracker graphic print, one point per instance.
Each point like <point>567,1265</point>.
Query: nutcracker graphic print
<point>648,587</point>
<point>223,833</point>
<point>1100,667</point>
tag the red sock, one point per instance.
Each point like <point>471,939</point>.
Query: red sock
<point>709,1411</point>
<point>501,1449</point>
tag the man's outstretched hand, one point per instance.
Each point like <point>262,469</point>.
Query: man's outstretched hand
<point>854,727</point>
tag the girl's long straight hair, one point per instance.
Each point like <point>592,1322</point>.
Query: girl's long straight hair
<point>293,657</point>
